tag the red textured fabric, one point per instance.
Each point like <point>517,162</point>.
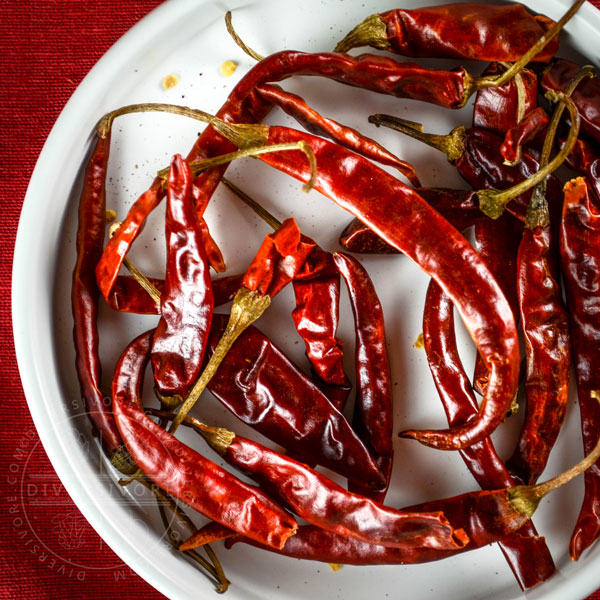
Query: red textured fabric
<point>48,46</point>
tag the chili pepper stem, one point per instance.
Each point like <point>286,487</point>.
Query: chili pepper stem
<point>452,144</point>
<point>371,32</point>
<point>492,202</point>
<point>263,213</point>
<point>474,84</point>
<point>238,40</point>
<point>525,498</point>
<point>247,307</point>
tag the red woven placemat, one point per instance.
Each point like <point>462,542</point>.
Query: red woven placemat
<point>50,552</point>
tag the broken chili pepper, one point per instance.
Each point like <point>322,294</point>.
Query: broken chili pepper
<point>580,258</point>
<point>187,298</point>
<point>373,412</point>
<point>464,30</point>
<point>183,472</point>
<point>525,551</point>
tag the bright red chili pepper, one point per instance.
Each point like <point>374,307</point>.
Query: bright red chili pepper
<point>183,472</point>
<point>530,125</point>
<point>580,259</point>
<point>463,30</point>
<point>373,410</point>
<point>187,299</point>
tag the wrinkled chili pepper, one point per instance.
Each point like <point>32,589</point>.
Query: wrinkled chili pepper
<point>530,125</point>
<point>464,30</point>
<point>486,517</point>
<point>312,121</point>
<point>84,301</point>
<point>322,502</point>
<point>401,217</point>
<point>183,472</point>
<point>187,298</point>
<point>265,390</point>
<point>580,259</point>
<point>586,97</point>
<point>459,207</point>
<point>525,551</point>
<point>373,411</point>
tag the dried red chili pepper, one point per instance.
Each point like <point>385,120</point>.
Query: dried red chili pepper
<point>312,121</point>
<point>183,472</point>
<point>373,411</point>
<point>464,30</point>
<point>264,389</point>
<point>525,551</point>
<point>586,97</point>
<point>187,299</point>
<point>580,258</point>
<point>401,217</point>
<point>212,532</point>
<point>528,127</point>
<point>324,503</point>
<point>459,207</point>
<point>486,516</point>
<point>84,302</point>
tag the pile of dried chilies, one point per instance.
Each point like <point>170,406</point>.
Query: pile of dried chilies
<point>547,238</point>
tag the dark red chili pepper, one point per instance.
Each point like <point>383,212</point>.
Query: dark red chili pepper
<point>84,298</point>
<point>373,411</point>
<point>183,472</point>
<point>501,108</point>
<point>312,121</point>
<point>128,296</point>
<point>261,387</point>
<point>580,257</point>
<point>459,207</point>
<point>465,30</point>
<point>525,551</point>
<point>401,217</point>
<point>528,127</point>
<point>324,503</point>
<point>586,97</point>
<point>187,299</point>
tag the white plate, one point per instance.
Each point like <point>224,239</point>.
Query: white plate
<point>188,38</point>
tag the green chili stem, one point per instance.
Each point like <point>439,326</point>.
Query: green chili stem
<point>246,308</point>
<point>263,213</point>
<point>452,144</point>
<point>371,32</point>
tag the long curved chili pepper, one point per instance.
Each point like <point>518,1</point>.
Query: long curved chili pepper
<point>463,30</point>
<point>403,219</point>
<point>373,411</point>
<point>320,501</point>
<point>459,207</point>
<point>586,97</point>
<point>486,517</point>
<point>265,390</point>
<point>128,296</point>
<point>580,259</point>
<point>312,121</point>
<point>525,551</point>
<point>187,298</point>
<point>84,301</point>
<point>183,472</point>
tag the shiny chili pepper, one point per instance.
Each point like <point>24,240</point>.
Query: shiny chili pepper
<point>84,301</point>
<point>183,472</point>
<point>501,108</point>
<point>528,127</point>
<point>486,517</point>
<point>580,259</point>
<point>127,295</point>
<point>464,30</point>
<point>586,97</point>
<point>401,217</point>
<point>187,299</point>
<point>265,390</point>
<point>459,207</point>
<point>525,551</point>
<point>322,502</point>
<point>373,411</point>
<point>312,121</point>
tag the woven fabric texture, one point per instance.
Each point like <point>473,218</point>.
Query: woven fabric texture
<point>48,46</point>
